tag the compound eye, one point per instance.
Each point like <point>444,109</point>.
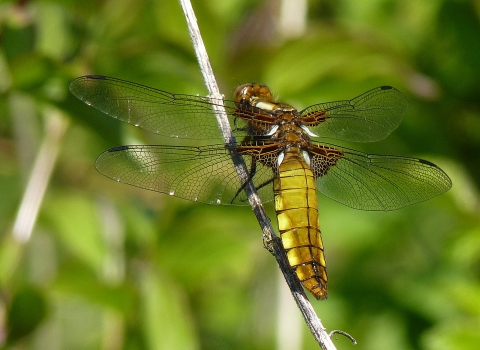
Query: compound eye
<point>246,93</point>
<point>264,93</point>
<point>243,93</point>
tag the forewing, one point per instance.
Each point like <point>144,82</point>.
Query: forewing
<point>375,182</point>
<point>157,111</point>
<point>200,174</point>
<point>369,117</point>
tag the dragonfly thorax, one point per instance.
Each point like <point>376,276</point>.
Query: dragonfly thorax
<point>291,135</point>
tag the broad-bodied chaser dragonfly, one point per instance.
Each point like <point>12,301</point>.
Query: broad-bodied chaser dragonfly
<point>275,141</point>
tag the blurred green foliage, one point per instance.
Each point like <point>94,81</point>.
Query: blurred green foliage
<point>114,267</point>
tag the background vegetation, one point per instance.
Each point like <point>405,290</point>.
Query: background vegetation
<point>109,266</point>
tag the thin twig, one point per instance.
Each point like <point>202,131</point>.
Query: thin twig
<point>40,175</point>
<point>336,331</point>
<point>273,243</point>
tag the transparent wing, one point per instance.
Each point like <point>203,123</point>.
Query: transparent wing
<point>157,111</point>
<point>369,117</point>
<point>201,174</point>
<point>375,182</point>
<point>206,174</point>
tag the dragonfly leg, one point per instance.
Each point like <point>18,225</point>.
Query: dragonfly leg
<point>251,174</point>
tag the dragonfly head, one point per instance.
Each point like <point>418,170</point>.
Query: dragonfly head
<point>252,93</point>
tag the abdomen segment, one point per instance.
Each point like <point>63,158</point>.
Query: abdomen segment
<point>297,217</point>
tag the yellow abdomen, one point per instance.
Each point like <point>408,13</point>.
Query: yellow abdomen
<point>298,223</point>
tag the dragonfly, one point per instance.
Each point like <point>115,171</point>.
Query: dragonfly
<point>280,145</point>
